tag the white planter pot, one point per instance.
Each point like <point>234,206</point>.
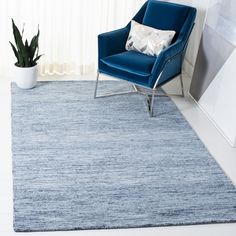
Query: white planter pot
<point>26,77</point>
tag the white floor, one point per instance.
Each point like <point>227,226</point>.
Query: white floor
<point>216,144</point>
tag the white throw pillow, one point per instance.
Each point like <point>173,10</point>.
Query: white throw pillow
<point>148,40</point>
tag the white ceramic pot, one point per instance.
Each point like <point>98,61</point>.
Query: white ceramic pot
<point>26,77</point>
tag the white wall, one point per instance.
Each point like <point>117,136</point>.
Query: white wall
<point>214,83</point>
<point>219,100</point>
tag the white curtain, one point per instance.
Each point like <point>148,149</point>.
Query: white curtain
<point>69,30</point>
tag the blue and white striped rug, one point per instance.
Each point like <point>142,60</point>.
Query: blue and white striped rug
<point>80,163</point>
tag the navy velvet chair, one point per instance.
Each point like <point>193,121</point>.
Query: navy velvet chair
<point>142,70</point>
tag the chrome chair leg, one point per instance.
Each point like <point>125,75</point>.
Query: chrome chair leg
<point>150,102</point>
<point>96,86</point>
<point>137,90</point>
<point>135,87</point>
<point>110,94</point>
<point>182,84</point>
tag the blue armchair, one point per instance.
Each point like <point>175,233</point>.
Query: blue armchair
<point>142,70</point>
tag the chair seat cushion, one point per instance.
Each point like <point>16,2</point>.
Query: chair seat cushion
<point>132,62</point>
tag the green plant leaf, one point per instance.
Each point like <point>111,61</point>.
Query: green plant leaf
<point>26,43</point>
<point>19,43</point>
<point>26,54</point>
<point>34,44</point>
<point>17,36</point>
<point>37,58</point>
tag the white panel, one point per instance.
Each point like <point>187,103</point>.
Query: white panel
<point>219,100</point>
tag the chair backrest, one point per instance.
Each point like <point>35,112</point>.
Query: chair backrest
<point>164,15</point>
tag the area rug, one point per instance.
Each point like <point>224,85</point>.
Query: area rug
<point>80,163</point>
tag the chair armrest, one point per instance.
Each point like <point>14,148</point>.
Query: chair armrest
<point>112,42</point>
<point>174,52</point>
<point>170,53</point>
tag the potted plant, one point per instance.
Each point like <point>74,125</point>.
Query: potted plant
<point>26,71</point>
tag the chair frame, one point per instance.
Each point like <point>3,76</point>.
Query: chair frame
<point>153,91</point>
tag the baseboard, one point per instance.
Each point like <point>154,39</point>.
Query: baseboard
<point>231,143</point>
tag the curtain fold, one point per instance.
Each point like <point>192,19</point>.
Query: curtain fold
<point>69,29</point>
